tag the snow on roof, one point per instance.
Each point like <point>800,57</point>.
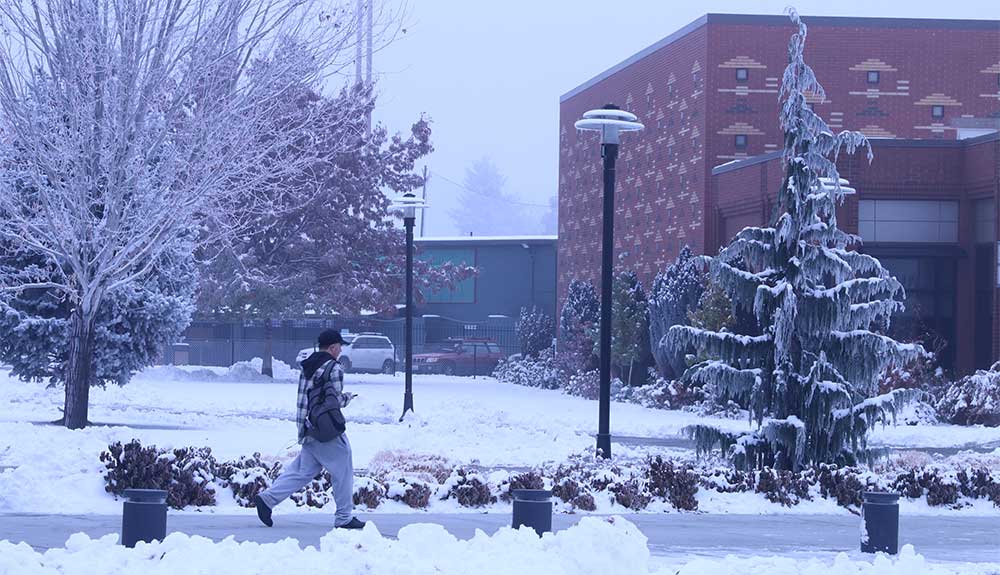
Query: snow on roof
<point>444,239</point>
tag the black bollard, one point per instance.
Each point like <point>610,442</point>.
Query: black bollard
<point>880,522</point>
<point>533,507</point>
<point>144,516</point>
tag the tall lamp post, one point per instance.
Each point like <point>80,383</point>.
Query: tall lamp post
<point>408,204</point>
<point>610,121</point>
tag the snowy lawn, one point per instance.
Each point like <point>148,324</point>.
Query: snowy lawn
<point>48,469</point>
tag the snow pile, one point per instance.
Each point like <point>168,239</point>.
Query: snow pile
<point>240,372</point>
<point>908,562</point>
<point>594,546</point>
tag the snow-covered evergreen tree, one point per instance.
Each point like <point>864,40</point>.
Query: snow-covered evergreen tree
<point>675,292</point>
<point>809,374</point>
<point>134,325</point>
<point>579,317</point>
<point>485,208</point>
<point>534,331</point>
<point>629,327</point>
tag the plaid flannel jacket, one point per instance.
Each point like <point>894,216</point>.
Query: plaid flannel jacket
<point>336,389</point>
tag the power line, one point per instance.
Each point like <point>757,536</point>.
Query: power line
<point>453,182</point>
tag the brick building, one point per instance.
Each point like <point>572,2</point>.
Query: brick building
<point>926,91</point>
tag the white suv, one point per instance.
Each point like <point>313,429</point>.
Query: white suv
<point>368,352</point>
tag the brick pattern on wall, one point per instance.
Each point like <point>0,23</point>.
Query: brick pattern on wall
<point>660,172</point>
<point>693,105</point>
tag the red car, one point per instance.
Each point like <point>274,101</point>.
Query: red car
<point>460,357</point>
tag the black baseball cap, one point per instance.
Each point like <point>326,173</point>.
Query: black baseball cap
<point>330,337</point>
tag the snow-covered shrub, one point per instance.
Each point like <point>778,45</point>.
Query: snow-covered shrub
<point>939,484</point>
<point>632,493</point>
<point>317,493</point>
<point>676,484</point>
<point>248,476</point>
<point>780,486</point>
<point>412,491</point>
<point>534,331</point>
<point>528,480</point>
<point>842,484</point>
<point>194,471</point>
<point>132,466</point>
<point>369,492</point>
<point>675,292</point>
<point>973,400</point>
<point>566,489</point>
<point>979,483</point>
<point>727,480</point>
<point>186,474</point>
<point>469,489</point>
<point>585,502</point>
<point>588,386</point>
<point>579,317</point>
<point>434,469</point>
<point>539,371</point>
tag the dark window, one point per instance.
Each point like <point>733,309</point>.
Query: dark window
<point>937,111</point>
<point>361,343</point>
<point>873,76</point>
<point>741,141</point>
<point>742,74</point>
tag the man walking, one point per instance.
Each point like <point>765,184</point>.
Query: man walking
<point>321,433</point>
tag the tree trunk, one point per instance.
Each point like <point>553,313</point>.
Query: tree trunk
<point>266,368</point>
<point>79,371</point>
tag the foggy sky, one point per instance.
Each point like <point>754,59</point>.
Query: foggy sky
<point>490,73</point>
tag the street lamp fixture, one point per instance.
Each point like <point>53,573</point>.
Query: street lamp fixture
<point>408,204</point>
<point>610,121</point>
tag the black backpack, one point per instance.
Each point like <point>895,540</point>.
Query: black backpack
<point>326,419</point>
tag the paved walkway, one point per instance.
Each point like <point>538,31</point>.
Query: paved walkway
<point>937,538</point>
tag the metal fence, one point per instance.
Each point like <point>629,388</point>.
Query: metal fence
<point>222,343</point>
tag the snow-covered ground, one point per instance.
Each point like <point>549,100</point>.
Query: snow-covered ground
<point>48,469</point>
<point>594,546</point>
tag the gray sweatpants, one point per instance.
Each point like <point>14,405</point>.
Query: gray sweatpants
<point>335,457</point>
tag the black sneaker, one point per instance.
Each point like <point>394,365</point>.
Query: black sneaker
<point>263,511</point>
<point>354,523</point>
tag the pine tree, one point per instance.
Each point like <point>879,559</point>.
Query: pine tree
<point>484,208</point>
<point>133,326</point>
<point>675,293</point>
<point>534,331</point>
<point>809,374</point>
<point>629,325</point>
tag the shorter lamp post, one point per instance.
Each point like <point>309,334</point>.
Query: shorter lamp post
<point>610,121</point>
<point>408,204</point>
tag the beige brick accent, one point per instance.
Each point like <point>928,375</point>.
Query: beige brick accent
<point>743,62</point>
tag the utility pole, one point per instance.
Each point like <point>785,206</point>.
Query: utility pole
<point>423,216</point>
<point>360,38</point>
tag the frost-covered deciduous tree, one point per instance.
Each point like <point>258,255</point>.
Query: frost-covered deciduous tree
<point>810,375</point>
<point>126,126</point>
<point>328,243</point>
<point>675,292</point>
